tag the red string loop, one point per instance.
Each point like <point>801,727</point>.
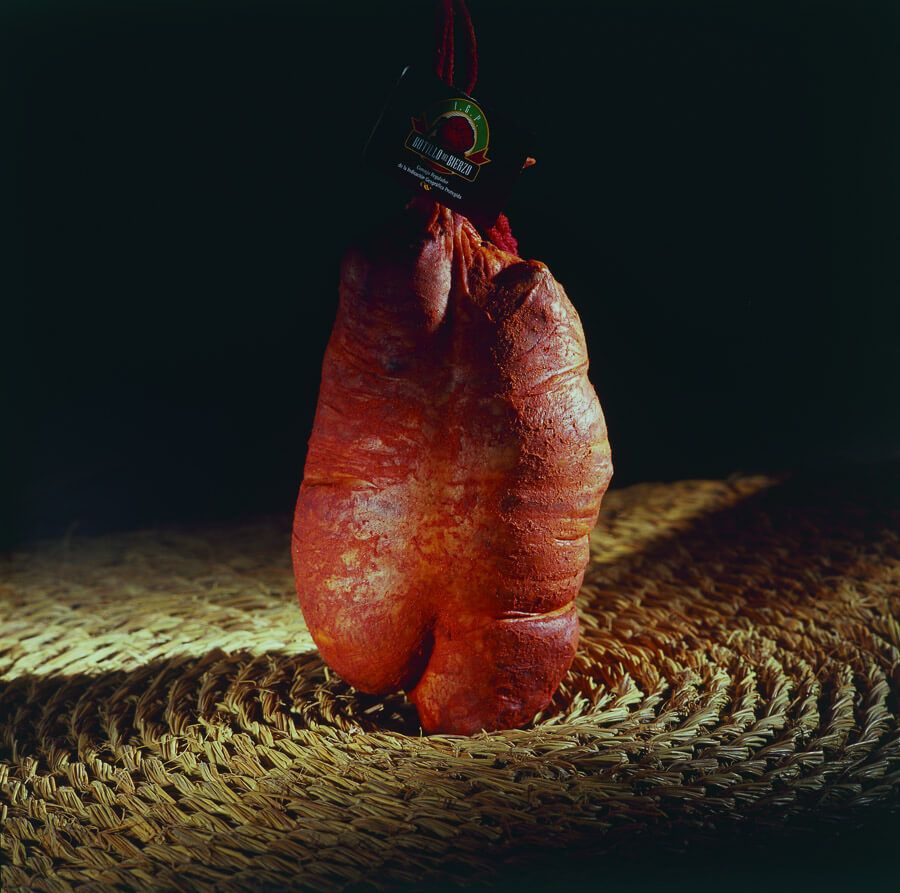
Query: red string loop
<point>444,60</point>
<point>500,233</point>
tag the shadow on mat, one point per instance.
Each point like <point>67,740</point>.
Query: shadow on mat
<point>229,691</point>
<point>826,521</point>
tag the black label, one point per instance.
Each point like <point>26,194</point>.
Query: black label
<point>442,143</point>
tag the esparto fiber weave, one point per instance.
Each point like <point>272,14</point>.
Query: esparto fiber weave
<point>166,722</point>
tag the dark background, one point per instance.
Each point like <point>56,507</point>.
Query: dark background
<point>716,188</point>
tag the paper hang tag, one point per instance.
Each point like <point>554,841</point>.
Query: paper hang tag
<point>442,143</point>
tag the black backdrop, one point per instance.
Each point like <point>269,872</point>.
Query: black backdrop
<point>716,187</point>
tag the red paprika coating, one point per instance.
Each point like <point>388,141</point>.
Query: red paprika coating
<point>455,470</point>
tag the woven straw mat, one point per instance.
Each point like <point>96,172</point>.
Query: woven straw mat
<point>167,722</point>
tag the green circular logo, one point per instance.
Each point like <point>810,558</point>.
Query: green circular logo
<point>452,136</point>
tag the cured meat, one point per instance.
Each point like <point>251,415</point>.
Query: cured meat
<point>455,470</point>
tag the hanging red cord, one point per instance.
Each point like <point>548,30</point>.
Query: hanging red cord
<point>500,233</point>
<point>444,59</point>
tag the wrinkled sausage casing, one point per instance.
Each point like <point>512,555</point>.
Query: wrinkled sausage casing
<point>455,471</point>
